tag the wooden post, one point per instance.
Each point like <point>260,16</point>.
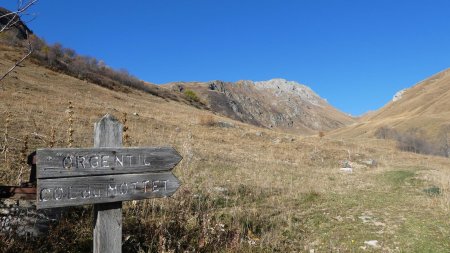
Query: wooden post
<point>108,216</point>
<point>104,176</point>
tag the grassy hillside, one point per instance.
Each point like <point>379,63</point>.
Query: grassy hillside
<point>244,189</point>
<point>425,106</point>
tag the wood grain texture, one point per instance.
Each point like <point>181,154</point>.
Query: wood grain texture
<point>75,191</point>
<point>71,162</point>
<point>108,132</point>
<point>107,217</point>
<point>108,224</point>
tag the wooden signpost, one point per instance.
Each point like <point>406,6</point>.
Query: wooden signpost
<point>105,176</point>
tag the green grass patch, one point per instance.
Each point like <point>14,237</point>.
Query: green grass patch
<point>422,234</point>
<point>191,95</point>
<point>398,177</point>
<point>401,178</point>
<point>309,198</point>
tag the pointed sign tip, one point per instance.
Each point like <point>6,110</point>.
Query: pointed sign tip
<point>108,117</point>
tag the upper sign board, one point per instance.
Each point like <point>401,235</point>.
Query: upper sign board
<point>76,162</point>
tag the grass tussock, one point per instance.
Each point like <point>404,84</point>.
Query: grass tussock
<point>207,120</point>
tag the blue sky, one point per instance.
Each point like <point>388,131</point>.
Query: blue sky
<point>354,53</point>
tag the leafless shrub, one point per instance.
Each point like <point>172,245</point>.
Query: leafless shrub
<point>386,133</point>
<point>443,139</point>
<point>414,140</point>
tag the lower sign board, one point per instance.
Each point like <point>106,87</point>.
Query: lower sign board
<point>74,191</point>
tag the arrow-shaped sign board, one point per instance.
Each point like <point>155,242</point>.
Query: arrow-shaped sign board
<point>84,190</point>
<point>77,176</point>
<point>73,162</point>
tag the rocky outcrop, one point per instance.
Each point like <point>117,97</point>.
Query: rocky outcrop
<point>16,26</point>
<point>398,95</point>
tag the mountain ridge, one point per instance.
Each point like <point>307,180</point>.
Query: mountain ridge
<point>276,103</point>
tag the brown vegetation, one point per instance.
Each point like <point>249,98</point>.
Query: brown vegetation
<point>414,140</point>
<point>207,120</point>
<point>244,189</point>
<point>67,61</point>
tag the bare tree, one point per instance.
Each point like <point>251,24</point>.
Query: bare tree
<point>12,19</point>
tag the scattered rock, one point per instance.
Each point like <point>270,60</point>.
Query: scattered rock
<point>372,243</point>
<point>220,189</point>
<point>346,164</point>
<point>370,162</point>
<point>377,223</point>
<point>225,124</point>
<point>339,218</point>
<point>22,218</point>
<point>135,114</point>
<point>259,134</point>
<point>365,218</point>
<point>346,170</point>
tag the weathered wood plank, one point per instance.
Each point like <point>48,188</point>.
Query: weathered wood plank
<point>107,235</point>
<point>108,227</point>
<point>71,162</point>
<point>74,191</point>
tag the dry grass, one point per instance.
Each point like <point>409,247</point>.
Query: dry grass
<point>244,189</point>
<point>207,120</point>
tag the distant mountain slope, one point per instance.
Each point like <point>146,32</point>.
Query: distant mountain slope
<point>276,103</point>
<point>425,106</point>
<point>17,36</point>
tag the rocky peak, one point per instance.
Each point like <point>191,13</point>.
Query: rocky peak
<point>283,87</point>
